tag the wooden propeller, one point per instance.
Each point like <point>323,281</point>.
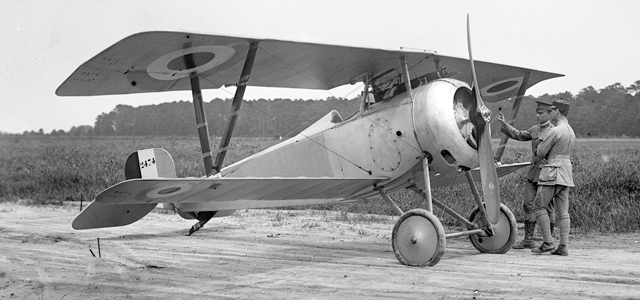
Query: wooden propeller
<point>480,119</point>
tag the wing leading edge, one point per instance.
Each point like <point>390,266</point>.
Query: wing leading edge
<point>503,170</point>
<point>155,62</point>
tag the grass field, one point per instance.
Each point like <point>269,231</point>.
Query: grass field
<point>40,170</point>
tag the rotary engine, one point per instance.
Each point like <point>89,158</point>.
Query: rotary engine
<point>442,125</point>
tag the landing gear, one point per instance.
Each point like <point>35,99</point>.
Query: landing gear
<point>418,238</point>
<point>504,232</point>
<point>203,217</point>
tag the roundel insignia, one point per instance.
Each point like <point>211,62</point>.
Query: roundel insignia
<point>502,86</point>
<point>168,191</point>
<point>172,66</point>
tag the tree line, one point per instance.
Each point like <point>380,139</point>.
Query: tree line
<point>257,118</point>
<point>609,112</point>
<point>613,111</point>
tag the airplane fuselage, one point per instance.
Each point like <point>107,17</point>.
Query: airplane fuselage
<point>389,139</point>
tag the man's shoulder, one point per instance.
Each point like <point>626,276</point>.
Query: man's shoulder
<point>539,130</point>
<point>562,124</point>
<point>549,132</point>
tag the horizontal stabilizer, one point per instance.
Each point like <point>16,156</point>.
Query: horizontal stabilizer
<point>148,163</point>
<point>100,215</point>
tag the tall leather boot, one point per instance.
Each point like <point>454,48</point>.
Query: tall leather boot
<point>527,242</point>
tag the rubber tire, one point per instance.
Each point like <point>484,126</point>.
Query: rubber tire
<point>505,233</point>
<point>431,243</point>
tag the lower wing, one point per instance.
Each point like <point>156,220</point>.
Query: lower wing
<point>186,190</point>
<point>440,180</point>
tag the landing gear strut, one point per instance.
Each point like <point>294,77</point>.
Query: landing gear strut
<point>203,217</point>
<point>418,237</point>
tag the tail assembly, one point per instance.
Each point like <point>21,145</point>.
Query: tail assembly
<point>149,163</point>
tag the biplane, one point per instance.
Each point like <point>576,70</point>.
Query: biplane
<point>422,123</point>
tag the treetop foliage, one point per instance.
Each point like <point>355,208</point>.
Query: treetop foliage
<point>609,112</point>
<point>258,118</point>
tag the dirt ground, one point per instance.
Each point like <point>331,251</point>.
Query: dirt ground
<point>267,254</point>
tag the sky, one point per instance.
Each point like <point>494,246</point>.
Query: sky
<point>592,42</point>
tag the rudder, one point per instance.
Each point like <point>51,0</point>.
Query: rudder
<point>150,163</point>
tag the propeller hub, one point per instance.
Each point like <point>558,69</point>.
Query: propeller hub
<point>485,113</point>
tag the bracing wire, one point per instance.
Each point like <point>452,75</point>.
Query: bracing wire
<point>305,136</point>
<point>303,124</point>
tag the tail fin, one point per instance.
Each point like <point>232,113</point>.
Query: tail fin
<point>149,163</point>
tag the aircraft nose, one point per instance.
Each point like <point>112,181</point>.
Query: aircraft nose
<point>442,114</point>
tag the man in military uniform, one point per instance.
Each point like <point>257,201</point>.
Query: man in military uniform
<point>555,179</point>
<point>532,134</point>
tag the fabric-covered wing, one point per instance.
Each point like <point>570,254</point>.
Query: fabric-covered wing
<point>100,215</point>
<point>439,180</point>
<point>156,61</point>
<point>185,190</point>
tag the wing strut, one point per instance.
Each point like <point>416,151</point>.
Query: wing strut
<point>203,134</point>
<point>407,78</point>
<point>235,106</point>
<point>364,105</point>
<point>515,109</point>
<point>201,119</point>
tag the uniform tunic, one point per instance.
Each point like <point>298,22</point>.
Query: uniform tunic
<point>556,147</point>
<point>533,134</point>
<point>555,179</point>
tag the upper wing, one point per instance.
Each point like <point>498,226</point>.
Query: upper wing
<point>225,189</point>
<point>155,62</point>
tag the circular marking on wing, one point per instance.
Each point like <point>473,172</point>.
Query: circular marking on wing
<point>199,59</point>
<point>172,66</point>
<point>168,191</point>
<point>502,86</point>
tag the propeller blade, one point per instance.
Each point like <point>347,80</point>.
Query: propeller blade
<point>488,174</point>
<point>473,67</point>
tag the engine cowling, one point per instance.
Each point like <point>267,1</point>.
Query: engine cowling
<point>442,125</point>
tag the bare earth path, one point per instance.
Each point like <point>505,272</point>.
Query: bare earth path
<point>268,254</point>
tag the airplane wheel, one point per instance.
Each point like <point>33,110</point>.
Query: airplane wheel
<point>418,238</point>
<point>504,233</point>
